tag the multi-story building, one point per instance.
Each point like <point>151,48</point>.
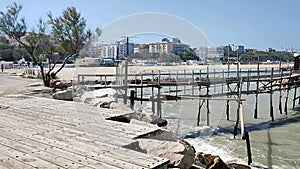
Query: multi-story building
<point>209,52</point>
<point>161,47</point>
<point>113,49</point>
<point>142,49</point>
<point>165,46</point>
<point>233,48</point>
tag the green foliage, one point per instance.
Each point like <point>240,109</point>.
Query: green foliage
<point>10,23</point>
<point>189,54</point>
<point>69,31</point>
<point>165,57</point>
<point>261,56</point>
<point>12,53</point>
<point>68,36</point>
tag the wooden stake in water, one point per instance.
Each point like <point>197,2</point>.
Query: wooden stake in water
<point>280,92</point>
<point>257,91</point>
<point>207,94</point>
<point>271,94</point>
<point>295,94</point>
<point>249,155</point>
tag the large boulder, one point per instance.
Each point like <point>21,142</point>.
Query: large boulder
<point>180,153</point>
<point>120,106</point>
<point>64,94</point>
<point>145,117</point>
<point>209,161</point>
<point>100,97</point>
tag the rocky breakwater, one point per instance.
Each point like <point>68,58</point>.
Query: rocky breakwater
<point>162,143</point>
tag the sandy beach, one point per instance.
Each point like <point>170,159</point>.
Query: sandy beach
<point>71,73</point>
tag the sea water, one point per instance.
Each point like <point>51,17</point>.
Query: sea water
<point>273,144</point>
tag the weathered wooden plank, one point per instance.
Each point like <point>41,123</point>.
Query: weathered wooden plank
<point>7,162</point>
<point>35,152</point>
<point>69,141</point>
<point>78,159</point>
<point>112,127</point>
<point>26,158</point>
<point>85,152</point>
<point>58,107</point>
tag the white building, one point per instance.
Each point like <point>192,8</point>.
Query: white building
<point>112,50</point>
<point>165,46</point>
<point>209,52</point>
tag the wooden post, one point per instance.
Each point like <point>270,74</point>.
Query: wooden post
<point>223,78</point>
<point>271,94</point>
<point>257,88</point>
<point>295,94</point>
<point>126,79</point>
<point>200,104</point>
<point>248,81</point>
<point>152,96</point>
<point>199,111</point>
<point>239,97</point>
<point>227,104</point>
<point>193,81</point>
<point>207,101</point>
<point>214,78</point>
<point>184,87</point>
<point>280,92</point>
<point>170,81</point>
<point>158,96</point>
<point>142,88</point>
<point>286,100</point>
<point>132,96</point>
<point>176,84</point>
<point>249,155</point>
<point>287,94</point>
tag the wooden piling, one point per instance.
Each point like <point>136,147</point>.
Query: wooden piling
<point>247,139</point>
<point>280,92</point>
<point>142,88</point>
<point>207,94</point>
<point>257,91</point>
<point>176,84</point>
<point>271,95</point>
<point>158,95</point>
<point>223,78</point>
<point>199,112</point>
<point>287,94</point>
<point>239,97</point>
<point>286,100</point>
<point>248,81</point>
<point>295,95</point>
<point>132,97</point>
<point>184,87</point>
<point>193,81</point>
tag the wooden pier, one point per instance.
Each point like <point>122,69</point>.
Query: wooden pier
<point>200,84</point>
<point>205,86</point>
<point>47,133</point>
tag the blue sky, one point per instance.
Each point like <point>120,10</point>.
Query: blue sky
<point>253,23</point>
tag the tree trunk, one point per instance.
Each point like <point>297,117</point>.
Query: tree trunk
<point>46,77</point>
<point>53,74</point>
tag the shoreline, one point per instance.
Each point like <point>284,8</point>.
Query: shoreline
<point>71,73</point>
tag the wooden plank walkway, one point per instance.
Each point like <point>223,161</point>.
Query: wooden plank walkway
<point>47,133</point>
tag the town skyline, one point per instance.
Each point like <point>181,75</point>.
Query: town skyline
<point>255,24</point>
